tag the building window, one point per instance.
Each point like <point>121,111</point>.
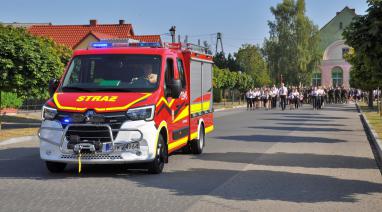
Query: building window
<point>344,51</point>
<point>316,79</point>
<point>337,76</point>
<point>341,25</point>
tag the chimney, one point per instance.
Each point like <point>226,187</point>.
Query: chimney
<point>121,22</point>
<point>93,22</point>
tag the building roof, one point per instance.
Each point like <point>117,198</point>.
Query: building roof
<point>346,8</point>
<point>72,35</point>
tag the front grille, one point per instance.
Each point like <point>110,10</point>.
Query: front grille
<point>92,157</point>
<point>88,133</point>
<point>113,119</point>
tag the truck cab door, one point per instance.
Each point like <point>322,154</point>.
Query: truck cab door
<point>178,123</point>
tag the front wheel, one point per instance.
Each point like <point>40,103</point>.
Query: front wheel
<point>157,165</point>
<point>197,145</point>
<point>55,167</point>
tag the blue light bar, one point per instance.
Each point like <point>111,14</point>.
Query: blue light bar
<point>149,44</point>
<point>120,44</point>
<point>101,45</point>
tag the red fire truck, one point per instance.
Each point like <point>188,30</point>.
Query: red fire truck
<point>128,103</point>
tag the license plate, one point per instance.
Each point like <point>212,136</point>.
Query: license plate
<point>126,147</point>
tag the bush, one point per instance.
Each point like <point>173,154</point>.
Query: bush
<point>27,62</point>
<point>217,94</point>
<point>10,100</point>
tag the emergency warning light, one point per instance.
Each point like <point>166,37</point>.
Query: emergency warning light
<point>120,44</point>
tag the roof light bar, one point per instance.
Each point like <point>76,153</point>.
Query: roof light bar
<point>120,44</point>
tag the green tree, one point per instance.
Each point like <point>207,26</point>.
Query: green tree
<point>292,49</point>
<point>28,62</point>
<point>252,62</point>
<point>220,60</point>
<point>364,36</point>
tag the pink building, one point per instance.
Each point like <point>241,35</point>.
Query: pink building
<point>334,70</point>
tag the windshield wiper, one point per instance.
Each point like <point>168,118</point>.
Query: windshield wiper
<point>76,88</point>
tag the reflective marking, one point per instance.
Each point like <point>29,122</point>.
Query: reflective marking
<point>177,143</point>
<point>209,129</point>
<point>182,115</point>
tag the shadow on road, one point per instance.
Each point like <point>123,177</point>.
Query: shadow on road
<point>314,117</point>
<point>312,129</point>
<point>257,184</point>
<point>292,159</point>
<point>297,120</point>
<point>310,124</point>
<point>280,138</point>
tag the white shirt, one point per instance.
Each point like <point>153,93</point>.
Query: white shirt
<point>283,91</point>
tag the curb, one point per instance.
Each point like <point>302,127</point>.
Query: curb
<point>234,107</point>
<point>375,142</point>
<point>18,140</point>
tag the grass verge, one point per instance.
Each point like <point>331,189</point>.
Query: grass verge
<point>7,134</point>
<point>373,117</point>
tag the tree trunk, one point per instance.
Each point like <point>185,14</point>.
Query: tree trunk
<point>370,99</point>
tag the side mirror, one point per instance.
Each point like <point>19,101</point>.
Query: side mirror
<point>53,85</point>
<point>176,88</point>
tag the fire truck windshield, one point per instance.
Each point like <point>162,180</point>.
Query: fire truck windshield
<point>113,72</point>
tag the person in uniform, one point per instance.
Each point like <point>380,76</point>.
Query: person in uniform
<point>314,96</point>
<point>283,93</point>
<point>248,98</point>
<point>274,93</point>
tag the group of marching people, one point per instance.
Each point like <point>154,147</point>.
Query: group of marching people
<point>267,97</point>
<point>295,97</point>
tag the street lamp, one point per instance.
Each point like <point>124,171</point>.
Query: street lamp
<point>172,33</point>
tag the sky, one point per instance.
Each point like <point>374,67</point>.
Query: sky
<point>239,21</point>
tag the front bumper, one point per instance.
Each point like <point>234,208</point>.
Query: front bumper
<point>53,144</point>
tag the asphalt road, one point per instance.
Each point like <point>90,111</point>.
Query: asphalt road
<point>301,160</point>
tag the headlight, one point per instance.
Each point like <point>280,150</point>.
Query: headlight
<point>141,113</point>
<point>48,113</point>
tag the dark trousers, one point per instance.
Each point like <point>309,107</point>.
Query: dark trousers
<point>296,103</point>
<point>283,101</point>
<point>249,103</point>
<point>314,102</point>
<point>274,102</point>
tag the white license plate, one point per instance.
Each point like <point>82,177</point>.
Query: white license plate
<point>126,147</point>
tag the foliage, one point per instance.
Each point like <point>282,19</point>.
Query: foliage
<point>250,59</point>
<point>292,50</point>
<point>364,36</point>
<point>226,79</point>
<point>220,60</point>
<point>27,63</point>
<point>10,100</point>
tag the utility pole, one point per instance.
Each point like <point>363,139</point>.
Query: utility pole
<point>219,39</point>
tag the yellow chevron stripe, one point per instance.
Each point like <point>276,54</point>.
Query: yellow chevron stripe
<point>182,115</point>
<point>165,101</point>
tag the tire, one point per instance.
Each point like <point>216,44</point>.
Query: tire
<point>55,167</point>
<point>157,165</point>
<point>198,144</point>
